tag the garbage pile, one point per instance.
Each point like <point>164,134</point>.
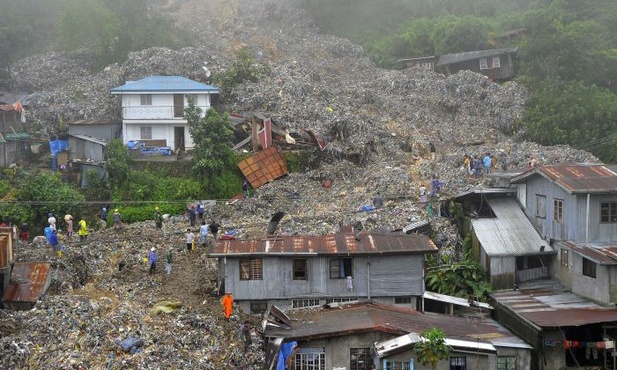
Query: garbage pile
<point>100,311</point>
<point>123,317</point>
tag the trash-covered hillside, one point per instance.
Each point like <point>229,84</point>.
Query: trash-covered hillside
<point>377,125</point>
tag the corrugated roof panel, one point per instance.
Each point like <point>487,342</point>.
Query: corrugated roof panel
<point>547,303</point>
<point>578,178</point>
<point>341,243</point>
<point>29,281</point>
<point>510,233</point>
<point>164,84</point>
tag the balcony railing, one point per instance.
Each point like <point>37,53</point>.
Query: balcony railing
<point>154,112</point>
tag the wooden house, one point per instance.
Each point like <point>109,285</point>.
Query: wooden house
<point>371,336</point>
<point>574,206</point>
<point>496,64</point>
<point>308,271</point>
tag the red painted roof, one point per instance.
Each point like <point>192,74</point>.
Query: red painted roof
<point>333,244</point>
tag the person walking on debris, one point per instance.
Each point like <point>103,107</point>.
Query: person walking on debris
<point>55,244</point>
<point>435,187</point>
<point>245,334</point>
<point>378,201</point>
<point>68,219</point>
<point>190,238</point>
<point>228,303</point>
<point>104,213</point>
<point>487,163</point>
<point>168,260</point>
<point>214,229</point>
<point>24,230</point>
<point>422,193</point>
<point>158,218</point>
<point>83,229</point>
<point>203,233</point>
<point>245,189</point>
<point>467,165</point>
<point>51,220</point>
<point>102,223</point>
<point>192,216</point>
<point>152,260</point>
<point>200,210</point>
<point>432,150</point>
<point>476,166</point>
<point>117,219</point>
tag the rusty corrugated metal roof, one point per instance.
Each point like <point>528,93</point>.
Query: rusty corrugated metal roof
<point>29,281</point>
<point>577,178</point>
<point>600,255</point>
<point>367,317</point>
<point>548,304</point>
<point>341,243</point>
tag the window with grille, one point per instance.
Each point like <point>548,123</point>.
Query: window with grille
<point>398,365</point>
<point>145,133</point>
<point>340,268</point>
<point>340,300</point>
<point>506,362</point>
<point>458,363</point>
<point>300,269</point>
<point>146,99</point>
<point>589,268</point>
<point>310,359</point>
<point>540,206</point>
<point>608,212</point>
<point>302,303</point>
<point>558,210</point>
<point>483,63</point>
<point>251,269</point>
<point>496,62</point>
<point>565,258</point>
<point>360,359</point>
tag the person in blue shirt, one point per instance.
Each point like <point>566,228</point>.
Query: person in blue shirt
<point>55,244</point>
<point>487,163</point>
<point>152,260</point>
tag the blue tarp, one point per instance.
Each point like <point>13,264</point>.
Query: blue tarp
<point>56,146</point>
<point>284,353</point>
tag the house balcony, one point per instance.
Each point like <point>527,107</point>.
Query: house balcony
<point>156,112</point>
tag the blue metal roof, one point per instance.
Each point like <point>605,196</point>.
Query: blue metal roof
<point>164,84</point>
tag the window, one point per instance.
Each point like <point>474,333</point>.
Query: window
<point>541,206</point>
<point>496,62</point>
<point>259,307</point>
<point>310,359</point>
<point>506,362</point>
<point>250,269</point>
<point>340,268</point>
<point>146,99</point>
<point>589,268</point>
<point>360,359</point>
<point>340,300</point>
<point>402,300</point>
<point>564,258</point>
<point>483,63</point>
<point>608,212</point>
<point>301,303</point>
<point>300,267</point>
<point>145,133</point>
<point>558,210</point>
<point>458,363</point>
<point>398,365</point>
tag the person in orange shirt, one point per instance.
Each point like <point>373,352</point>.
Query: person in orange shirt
<point>228,303</point>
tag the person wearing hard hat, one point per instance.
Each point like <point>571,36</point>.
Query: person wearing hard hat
<point>117,219</point>
<point>158,218</point>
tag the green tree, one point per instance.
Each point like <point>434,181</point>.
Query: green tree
<point>117,162</point>
<point>40,193</point>
<point>212,144</point>
<point>432,347</point>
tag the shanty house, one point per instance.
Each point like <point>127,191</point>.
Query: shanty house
<point>381,337</point>
<point>496,64</point>
<point>503,240</point>
<point>307,271</point>
<point>153,109</point>
<point>574,206</point>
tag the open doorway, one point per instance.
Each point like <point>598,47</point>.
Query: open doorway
<point>179,144</point>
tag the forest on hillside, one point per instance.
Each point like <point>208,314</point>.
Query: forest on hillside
<point>567,55</point>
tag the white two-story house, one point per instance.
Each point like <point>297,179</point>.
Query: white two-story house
<point>153,109</point>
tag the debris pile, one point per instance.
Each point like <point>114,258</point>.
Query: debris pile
<point>378,124</point>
